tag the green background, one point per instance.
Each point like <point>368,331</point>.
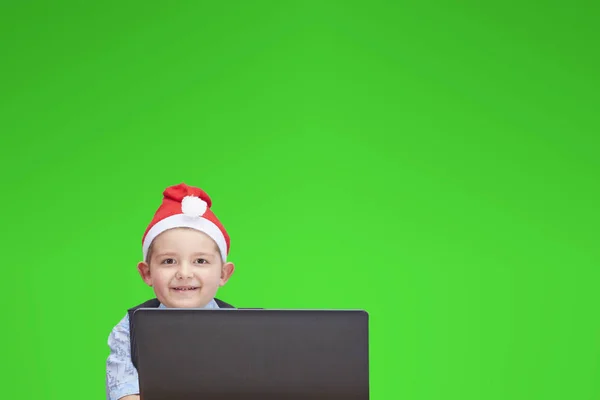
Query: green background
<point>434,163</point>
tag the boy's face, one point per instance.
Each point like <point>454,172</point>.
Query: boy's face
<point>185,268</point>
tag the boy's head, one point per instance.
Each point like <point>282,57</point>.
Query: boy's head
<point>185,250</point>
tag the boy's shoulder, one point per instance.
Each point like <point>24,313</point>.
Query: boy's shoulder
<point>152,303</point>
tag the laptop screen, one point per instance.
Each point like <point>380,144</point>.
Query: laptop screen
<point>252,354</point>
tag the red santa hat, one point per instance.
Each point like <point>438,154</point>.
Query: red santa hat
<point>186,206</point>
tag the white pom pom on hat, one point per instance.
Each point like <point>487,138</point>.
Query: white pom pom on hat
<point>193,206</point>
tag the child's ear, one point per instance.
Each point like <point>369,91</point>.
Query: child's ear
<point>144,270</point>
<point>226,272</point>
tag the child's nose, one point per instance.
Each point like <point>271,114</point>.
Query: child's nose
<point>185,270</point>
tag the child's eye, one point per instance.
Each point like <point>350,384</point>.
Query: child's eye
<point>201,261</point>
<point>168,261</point>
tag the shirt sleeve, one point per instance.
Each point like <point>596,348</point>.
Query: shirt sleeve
<point>121,375</point>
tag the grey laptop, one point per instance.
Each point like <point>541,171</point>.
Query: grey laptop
<point>229,354</point>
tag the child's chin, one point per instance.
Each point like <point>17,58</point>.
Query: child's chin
<point>186,303</point>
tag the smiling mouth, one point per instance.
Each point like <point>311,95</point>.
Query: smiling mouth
<point>185,288</point>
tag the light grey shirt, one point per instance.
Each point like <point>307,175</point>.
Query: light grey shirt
<point>121,375</point>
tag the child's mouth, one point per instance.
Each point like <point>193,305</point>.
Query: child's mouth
<point>185,288</point>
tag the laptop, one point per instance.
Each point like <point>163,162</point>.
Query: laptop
<point>228,354</point>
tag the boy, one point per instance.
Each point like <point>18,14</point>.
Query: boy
<point>185,250</point>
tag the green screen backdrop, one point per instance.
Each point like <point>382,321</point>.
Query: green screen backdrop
<point>434,163</point>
